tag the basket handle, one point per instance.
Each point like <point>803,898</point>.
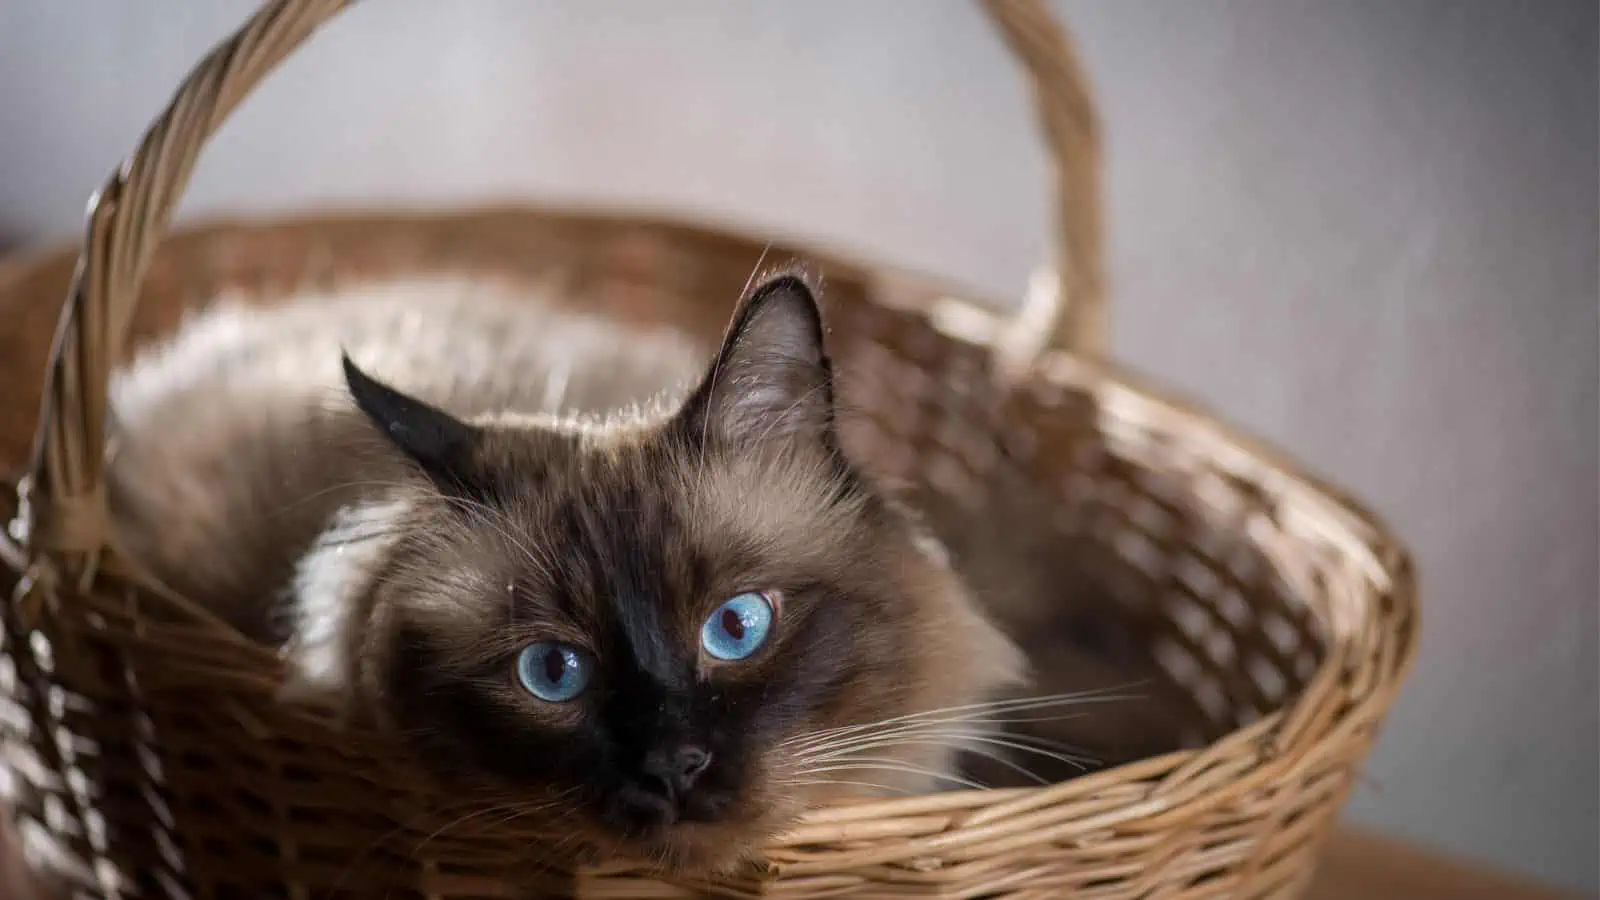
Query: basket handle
<point>64,495</point>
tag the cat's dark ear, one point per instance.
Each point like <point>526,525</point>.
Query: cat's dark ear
<point>772,379</point>
<point>437,441</point>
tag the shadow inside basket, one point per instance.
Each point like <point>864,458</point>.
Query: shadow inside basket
<point>1126,565</point>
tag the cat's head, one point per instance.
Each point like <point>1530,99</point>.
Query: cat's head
<point>648,624</point>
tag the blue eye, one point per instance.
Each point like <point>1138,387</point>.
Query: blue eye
<point>553,672</point>
<point>738,628</point>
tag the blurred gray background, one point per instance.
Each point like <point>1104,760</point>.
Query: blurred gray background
<point>1363,229</point>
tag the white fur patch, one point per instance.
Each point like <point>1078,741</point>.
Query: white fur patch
<point>931,547</point>
<point>328,582</point>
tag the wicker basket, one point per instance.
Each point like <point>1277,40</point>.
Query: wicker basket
<point>144,744</point>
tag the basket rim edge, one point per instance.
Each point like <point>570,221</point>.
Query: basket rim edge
<point>17,265</point>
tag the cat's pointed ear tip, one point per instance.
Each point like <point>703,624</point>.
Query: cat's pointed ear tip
<point>352,372</point>
<point>793,282</point>
<point>792,293</point>
<point>357,380</point>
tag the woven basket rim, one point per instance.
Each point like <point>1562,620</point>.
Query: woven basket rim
<point>961,316</point>
<point>978,317</point>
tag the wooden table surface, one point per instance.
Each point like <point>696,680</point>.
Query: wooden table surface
<point>1360,866</point>
<point>1357,866</point>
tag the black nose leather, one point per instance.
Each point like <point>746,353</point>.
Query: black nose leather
<point>664,790</point>
<point>677,769</point>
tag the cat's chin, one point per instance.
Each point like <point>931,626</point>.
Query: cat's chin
<point>722,848</point>
<point>730,847</point>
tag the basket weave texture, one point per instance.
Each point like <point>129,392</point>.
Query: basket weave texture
<point>146,750</point>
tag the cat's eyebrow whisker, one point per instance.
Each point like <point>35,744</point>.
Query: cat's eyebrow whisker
<point>965,713</point>
<point>495,518</point>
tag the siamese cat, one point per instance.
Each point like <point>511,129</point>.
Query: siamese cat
<point>649,588</point>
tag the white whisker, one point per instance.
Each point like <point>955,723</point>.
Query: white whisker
<point>846,742</point>
<point>960,713</point>
<point>891,765</point>
<point>977,716</point>
<point>954,740</point>
<point>1001,759</point>
<point>808,782</point>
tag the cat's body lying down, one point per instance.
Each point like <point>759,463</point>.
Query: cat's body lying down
<point>560,559</point>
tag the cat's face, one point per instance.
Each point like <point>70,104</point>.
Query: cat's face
<point>640,625</point>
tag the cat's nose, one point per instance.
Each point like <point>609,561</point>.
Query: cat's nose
<point>677,768</point>
<point>664,790</point>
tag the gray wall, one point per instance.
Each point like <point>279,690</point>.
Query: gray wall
<point>1366,230</point>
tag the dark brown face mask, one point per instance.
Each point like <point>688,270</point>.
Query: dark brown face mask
<point>631,621</point>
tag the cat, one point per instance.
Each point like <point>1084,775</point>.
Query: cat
<point>558,557</point>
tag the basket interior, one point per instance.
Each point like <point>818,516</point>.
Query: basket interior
<point>157,785</point>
